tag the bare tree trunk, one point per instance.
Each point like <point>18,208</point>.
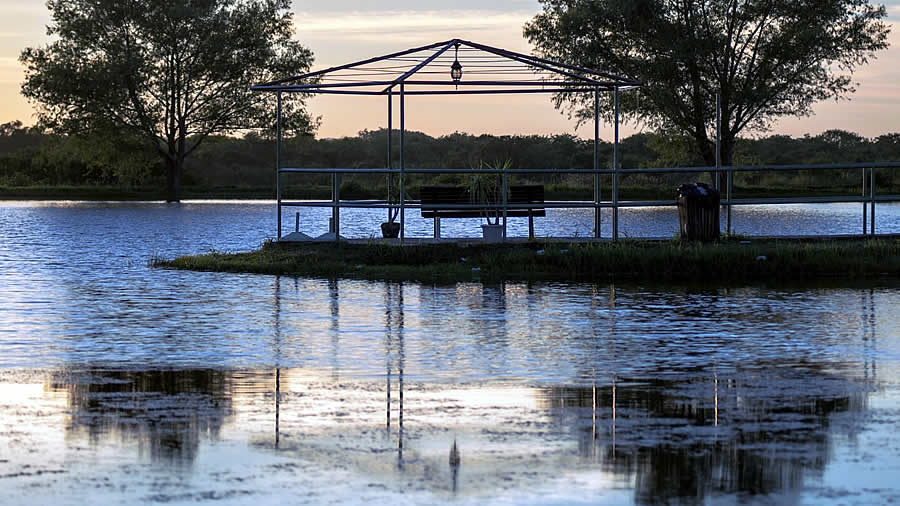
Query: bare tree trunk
<point>173,180</point>
<point>708,150</point>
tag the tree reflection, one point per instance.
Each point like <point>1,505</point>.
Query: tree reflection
<point>698,438</point>
<point>166,412</point>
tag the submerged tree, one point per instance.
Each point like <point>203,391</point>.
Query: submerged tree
<point>767,58</point>
<point>172,71</point>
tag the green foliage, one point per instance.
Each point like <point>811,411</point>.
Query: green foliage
<point>29,157</point>
<point>244,167</point>
<point>767,58</point>
<point>170,72</point>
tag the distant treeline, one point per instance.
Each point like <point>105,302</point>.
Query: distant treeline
<point>29,157</point>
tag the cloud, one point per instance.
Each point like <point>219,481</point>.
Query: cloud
<point>414,5</point>
<point>385,25</point>
<point>340,37</point>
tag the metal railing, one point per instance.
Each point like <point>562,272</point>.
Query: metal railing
<point>867,195</point>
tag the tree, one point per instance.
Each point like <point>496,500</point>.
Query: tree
<point>767,58</point>
<point>172,71</point>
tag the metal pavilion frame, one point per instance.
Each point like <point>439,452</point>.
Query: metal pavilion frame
<point>425,70</point>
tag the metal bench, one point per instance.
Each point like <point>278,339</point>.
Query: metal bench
<point>446,201</point>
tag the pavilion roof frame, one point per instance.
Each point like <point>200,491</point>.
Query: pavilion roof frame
<point>425,70</point>
<point>498,71</point>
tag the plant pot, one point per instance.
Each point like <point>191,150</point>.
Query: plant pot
<point>390,230</point>
<point>492,233</point>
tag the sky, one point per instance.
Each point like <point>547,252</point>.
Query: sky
<point>341,31</point>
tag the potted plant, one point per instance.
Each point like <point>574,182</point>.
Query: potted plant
<point>487,189</point>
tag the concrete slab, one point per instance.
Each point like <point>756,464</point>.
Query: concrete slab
<point>295,237</point>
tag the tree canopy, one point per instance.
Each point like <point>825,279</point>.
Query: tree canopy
<point>171,71</point>
<point>766,58</point>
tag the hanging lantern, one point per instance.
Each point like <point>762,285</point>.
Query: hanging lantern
<point>456,71</point>
<point>456,68</point>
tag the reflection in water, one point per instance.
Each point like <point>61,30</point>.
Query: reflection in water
<point>689,439</point>
<point>165,412</point>
<point>394,354</point>
<point>748,434</point>
<point>454,461</point>
<point>276,331</point>
<point>707,433</point>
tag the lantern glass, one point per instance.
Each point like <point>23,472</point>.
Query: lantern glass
<point>456,71</point>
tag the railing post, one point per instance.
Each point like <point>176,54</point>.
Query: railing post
<point>278,165</point>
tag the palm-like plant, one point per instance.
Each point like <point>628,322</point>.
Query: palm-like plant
<point>487,189</point>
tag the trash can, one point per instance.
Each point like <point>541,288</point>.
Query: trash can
<point>698,212</point>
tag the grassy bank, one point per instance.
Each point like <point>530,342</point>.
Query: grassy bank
<point>730,260</point>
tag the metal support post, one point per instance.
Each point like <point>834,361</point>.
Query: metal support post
<point>729,176</point>
<point>865,207</point>
<point>504,201</point>
<point>597,196</point>
<point>336,210</point>
<point>390,153</point>
<point>615,214</point>
<point>718,140</point>
<point>729,179</point>
<point>402,165</point>
<point>278,166</point>
<point>872,200</point>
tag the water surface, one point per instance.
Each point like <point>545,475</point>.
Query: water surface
<point>125,384</point>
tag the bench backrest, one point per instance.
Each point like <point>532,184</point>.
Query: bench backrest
<point>436,196</point>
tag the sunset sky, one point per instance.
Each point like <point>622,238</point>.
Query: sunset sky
<point>340,31</point>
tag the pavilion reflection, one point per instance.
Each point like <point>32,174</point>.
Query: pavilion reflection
<point>394,357</point>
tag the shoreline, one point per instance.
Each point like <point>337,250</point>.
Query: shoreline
<point>729,260</point>
<point>154,194</point>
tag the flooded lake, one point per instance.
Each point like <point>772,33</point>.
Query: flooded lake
<point>125,384</point>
